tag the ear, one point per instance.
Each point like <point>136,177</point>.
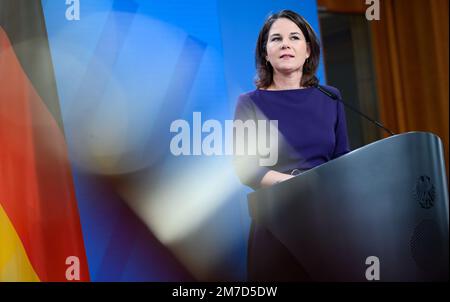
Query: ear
<point>308,50</point>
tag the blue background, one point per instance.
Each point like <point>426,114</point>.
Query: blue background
<point>124,72</point>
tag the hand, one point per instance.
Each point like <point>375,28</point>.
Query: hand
<point>274,177</point>
<point>285,177</point>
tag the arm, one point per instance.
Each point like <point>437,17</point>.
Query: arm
<point>247,167</point>
<point>341,145</point>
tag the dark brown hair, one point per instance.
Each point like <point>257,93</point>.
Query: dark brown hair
<point>264,77</point>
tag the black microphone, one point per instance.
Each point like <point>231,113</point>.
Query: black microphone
<point>337,98</point>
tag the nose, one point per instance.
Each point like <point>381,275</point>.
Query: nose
<point>285,45</point>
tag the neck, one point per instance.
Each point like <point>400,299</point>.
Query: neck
<point>286,81</point>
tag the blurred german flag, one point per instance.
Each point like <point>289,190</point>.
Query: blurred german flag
<point>39,221</point>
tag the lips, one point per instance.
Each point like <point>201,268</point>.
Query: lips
<point>286,56</point>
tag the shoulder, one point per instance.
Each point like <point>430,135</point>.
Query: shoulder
<point>248,96</point>
<point>245,105</point>
<point>332,89</point>
<point>247,99</point>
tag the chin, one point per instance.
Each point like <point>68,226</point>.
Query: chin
<point>288,69</point>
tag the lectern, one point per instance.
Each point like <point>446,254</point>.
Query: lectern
<point>381,207</point>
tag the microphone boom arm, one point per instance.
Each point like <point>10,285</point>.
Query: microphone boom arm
<point>335,97</point>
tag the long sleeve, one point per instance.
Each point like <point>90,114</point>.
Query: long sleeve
<point>341,145</point>
<point>247,166</point>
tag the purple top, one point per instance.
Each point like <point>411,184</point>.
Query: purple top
<point>312,129</point>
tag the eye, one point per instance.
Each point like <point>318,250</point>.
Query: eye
<point>295,38</point>
<point>276,39</point>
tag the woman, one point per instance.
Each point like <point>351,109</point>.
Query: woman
<point>311,125</point>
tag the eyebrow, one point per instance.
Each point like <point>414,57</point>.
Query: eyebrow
<point>292,33</point>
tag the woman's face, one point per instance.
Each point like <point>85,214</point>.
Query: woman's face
<point>287,48</point>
